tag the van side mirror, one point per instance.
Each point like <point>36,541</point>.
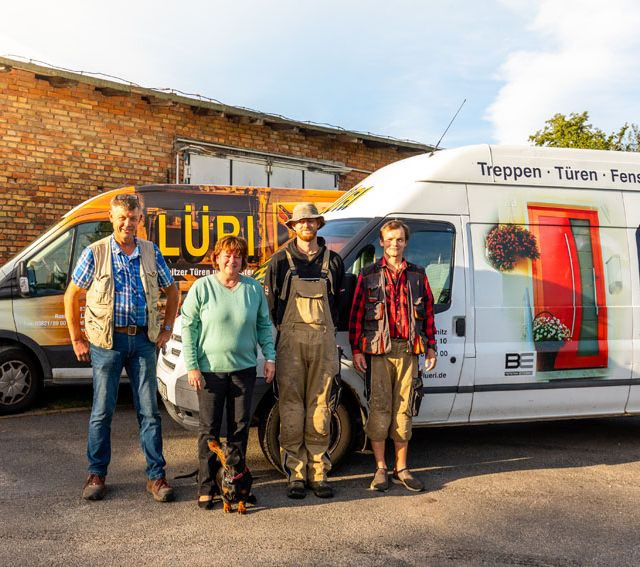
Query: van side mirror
<point>22,279</point>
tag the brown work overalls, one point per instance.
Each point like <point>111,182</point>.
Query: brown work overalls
<point>307,362</point>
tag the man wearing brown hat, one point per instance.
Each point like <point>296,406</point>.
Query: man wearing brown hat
<point>302,283</point>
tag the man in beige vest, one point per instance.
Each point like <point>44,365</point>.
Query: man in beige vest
<point>122,276</point>
<point>302,283</point>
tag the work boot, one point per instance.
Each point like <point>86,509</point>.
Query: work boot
<point>380,481</point>
<point>296,490</point>
<point>322,489</point>
<point>161,490</point>
<point>94,487</point>
<point>404,477</point>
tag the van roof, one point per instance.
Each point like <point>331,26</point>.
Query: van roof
<point>521,165</point>
<point>500,165</point>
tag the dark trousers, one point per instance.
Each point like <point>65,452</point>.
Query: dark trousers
<point>223,390</point>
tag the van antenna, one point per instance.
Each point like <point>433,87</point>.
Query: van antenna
<point>447,128</point>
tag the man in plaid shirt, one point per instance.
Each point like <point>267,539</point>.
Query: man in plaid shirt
<point>392,321</point>
<point>122,276</point>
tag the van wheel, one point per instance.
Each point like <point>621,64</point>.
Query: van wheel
<point>339,446</point>
<point>20,380</point>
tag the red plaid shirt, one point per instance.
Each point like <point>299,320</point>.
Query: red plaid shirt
<point>396,306</point>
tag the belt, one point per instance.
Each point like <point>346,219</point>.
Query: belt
<point>131,329</point>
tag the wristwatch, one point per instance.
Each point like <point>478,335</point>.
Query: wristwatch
<point>167,328</point>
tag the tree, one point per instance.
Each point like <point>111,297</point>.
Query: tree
<point>576,132</point>
<point>631,140</point>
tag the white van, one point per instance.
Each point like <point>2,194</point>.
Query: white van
<point>532,255</point>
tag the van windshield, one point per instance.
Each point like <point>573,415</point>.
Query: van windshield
<point>336,234</point>
<point>339,231</point>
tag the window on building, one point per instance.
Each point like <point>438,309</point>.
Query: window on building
<point>255,171</point>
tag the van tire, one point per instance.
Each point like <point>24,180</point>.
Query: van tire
<point>20,380</point>
<point>342,435</point>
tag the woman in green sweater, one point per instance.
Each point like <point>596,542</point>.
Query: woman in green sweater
<point>224,317</point>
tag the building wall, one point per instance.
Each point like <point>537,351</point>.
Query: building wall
<point>63,142</point>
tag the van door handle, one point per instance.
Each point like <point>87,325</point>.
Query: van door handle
<point>460,326</point>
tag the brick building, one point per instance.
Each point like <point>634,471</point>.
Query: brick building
<point>65,137</point>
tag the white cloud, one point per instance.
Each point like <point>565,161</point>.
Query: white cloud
<point>586,61</point>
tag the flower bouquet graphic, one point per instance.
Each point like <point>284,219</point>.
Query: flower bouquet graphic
<point>549,336</point>
<point>506,244</point>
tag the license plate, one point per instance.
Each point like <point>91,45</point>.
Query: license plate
<point>162,388</point>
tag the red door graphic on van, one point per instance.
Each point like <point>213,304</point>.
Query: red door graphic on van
<point>568,281</point>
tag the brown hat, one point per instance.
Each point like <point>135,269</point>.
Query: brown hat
<point>305,211</point>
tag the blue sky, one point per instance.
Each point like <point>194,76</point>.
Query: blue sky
<point>398,68</point>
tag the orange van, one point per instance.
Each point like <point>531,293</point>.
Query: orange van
<point>183,220</point>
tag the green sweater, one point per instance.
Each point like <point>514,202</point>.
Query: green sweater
<point>222,327</point>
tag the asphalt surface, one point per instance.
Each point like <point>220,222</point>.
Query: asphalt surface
<point>552,494</point>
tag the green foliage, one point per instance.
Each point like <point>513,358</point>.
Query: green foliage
<point>575,131</point>
<point>631,140</point>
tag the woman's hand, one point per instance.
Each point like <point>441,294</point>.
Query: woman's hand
<point>194,377</point>
<point>269,371</point>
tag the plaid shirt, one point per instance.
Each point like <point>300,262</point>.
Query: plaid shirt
<point>396,294</point>
<point>130,302</point>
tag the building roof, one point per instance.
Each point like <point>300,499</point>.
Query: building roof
<point>113,86</point>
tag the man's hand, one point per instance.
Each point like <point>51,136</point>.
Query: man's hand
<point>72,315</point>
<point>195,379</point>
<point>359,362</point>
<point>82,350</point>
<point>430,360</point>
<point>269,371</point>
<point>163,339</point>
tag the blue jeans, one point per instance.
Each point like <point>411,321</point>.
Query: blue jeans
<point>137,355</point>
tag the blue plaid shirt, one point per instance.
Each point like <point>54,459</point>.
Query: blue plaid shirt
<point>130,302</point>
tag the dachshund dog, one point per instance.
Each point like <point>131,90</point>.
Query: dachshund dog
<point>233,478</point>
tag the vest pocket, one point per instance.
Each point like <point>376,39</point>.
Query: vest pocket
<point>97,324</point>
<point>375,293</point>
<point>97,315</point>
<point>152,286</point>
<point>373,312</point>
<point>101,291</point>
<point>419,309</point>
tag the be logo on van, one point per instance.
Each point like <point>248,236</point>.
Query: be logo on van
<point>519,363</point>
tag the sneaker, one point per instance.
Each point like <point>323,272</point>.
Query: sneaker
<point>405,478</point>
<point>380,481</point>
<point>161,490</point>
<point>94,488</point>
<point>296,490</point>
<point>322,489</point>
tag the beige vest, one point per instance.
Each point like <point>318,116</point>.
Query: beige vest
<point>98,314</point>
